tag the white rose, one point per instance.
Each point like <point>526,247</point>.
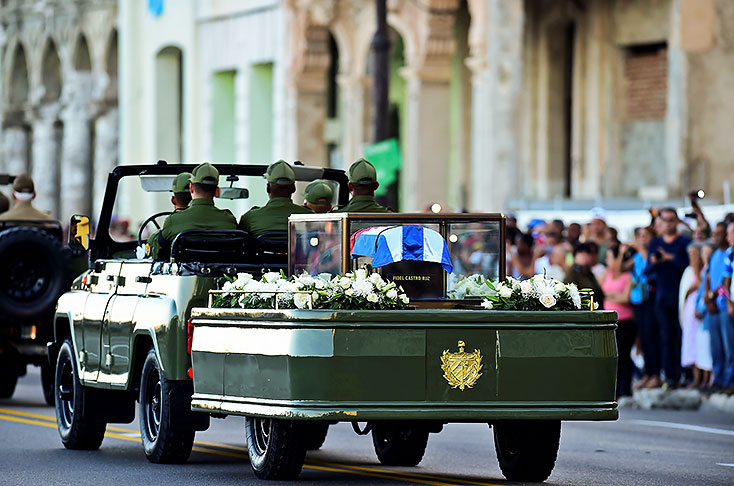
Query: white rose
<point>487,304</point>
<point>505,291</point>
<point>404,299</point>
<point>547,300</point>
<point>380,284</point>
<point>326,277</point>
<point>269,289</point>
<point>360,274</point>
<point>345,282</point>
<point>559,286</point>
<point>306,280</point>
<point>242,280</point>
<point>363,287</point>
<point>271,277</point>
<point>392,294</point>
<point>596,305</point>
<point>227,285</point>
<point>372,298</point>
<point>319,284</point>
<point>301,300</point>
<point>349,292</point>
<point>375,278</point>
<point>526,287</point>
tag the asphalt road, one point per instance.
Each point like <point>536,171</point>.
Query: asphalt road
<point>665,448</point>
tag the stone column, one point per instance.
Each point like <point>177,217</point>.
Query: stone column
<point>310,98</point>
<point>15,150</point>
<point>46,161</point>
<point>428,143</point>
<point>495,154</point>
<point>352,91</point>
<point>105,154</point>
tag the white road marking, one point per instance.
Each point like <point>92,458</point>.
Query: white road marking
<point>724,464</point>
<point>673,425</point>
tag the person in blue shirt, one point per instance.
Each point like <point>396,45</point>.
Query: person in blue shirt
<point>719,323</point>
<point>668,258</point>
<point>643,300</point>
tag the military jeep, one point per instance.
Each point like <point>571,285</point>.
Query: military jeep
<point>134,330</point>
<point>37,269</point>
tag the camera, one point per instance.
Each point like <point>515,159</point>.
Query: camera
<point>697,194</point>
<point>628,254</point>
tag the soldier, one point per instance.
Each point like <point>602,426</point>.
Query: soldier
<point>23,193</point>
<point>200,214</point>
<point>274,215</point>
<point>362,186</point>
<point>318,196</point>
<point>181,191</point>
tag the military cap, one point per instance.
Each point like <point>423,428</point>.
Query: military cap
<point>181,182</point>
<point>280,172</point>
<point>23,183</point>
<point>362,172</point>
<point>205,173</point>
<point>318,192</point>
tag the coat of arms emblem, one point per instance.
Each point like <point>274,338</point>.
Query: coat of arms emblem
<point>461,370</point>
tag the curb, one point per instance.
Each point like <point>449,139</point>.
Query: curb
<point>660,398</point>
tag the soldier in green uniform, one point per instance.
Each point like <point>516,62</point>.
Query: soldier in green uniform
<point>181,191</point>
<point>200,214</point>
<point>318,196</point>
<point>362,186</point>
<point>274,215</point>
<point>24,193</point>
<point>4,203</point>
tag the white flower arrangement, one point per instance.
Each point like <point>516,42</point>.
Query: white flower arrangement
<point>537,293</point>
<point>355,291</point>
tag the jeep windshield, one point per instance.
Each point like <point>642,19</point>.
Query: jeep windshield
<point>136,193</point>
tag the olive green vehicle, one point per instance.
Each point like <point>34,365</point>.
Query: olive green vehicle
<point>136,330</point>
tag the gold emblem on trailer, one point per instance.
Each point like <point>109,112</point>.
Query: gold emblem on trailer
<point>461,370</point>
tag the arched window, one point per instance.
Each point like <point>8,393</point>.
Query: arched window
<point>18,93</point>
<point>169,104</point>
<point>82,60</point>
<point>51,73</point>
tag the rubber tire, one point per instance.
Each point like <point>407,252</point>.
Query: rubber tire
<point>279,455</point>
<point>527,449</point>
<point>38,272</point>
<point>399,443</point>
<point>76,431</point>
<point>316,435</point>
<point>170,441</point>
<point>8,380</point>
<point>48,378</point>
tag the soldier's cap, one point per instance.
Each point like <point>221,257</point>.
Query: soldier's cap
<point>23,183</point>
<point>318,192</point>
<point>205,173</point>
<point>362,172</point>
<point>181,183</point>
<point>280,172</point>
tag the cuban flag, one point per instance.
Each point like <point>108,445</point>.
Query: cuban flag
<point>393,244</point>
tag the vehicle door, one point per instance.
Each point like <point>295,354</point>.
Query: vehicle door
<point>102,286</point>
<point>119,322</point>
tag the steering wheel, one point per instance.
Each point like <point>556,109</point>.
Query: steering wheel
<point>152,219</point>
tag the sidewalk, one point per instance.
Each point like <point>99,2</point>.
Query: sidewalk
<point>649,398</point>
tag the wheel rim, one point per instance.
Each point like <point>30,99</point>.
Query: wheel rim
<point>153,407</point>
<point>65,394</point>
<point>261,431</point>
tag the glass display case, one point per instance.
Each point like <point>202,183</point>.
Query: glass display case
<point>428,254</point>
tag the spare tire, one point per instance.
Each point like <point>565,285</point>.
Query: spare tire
<point>36,273</point>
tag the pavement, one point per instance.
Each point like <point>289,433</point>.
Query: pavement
<point>679,399</point>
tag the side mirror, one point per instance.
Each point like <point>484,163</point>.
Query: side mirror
<point>79,231</point>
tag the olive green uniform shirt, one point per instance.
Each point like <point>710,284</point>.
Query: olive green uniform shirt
<point>24,210</point>
<point>363,204</point>
<point>201,214</point>
<point>271,217</point>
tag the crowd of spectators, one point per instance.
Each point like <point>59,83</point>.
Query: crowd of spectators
<point>671,287</point>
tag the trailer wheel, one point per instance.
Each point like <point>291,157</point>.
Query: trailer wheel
<point>527,449</point>
<point>316,435</point>
<point>166,440</point>
<point>76,430</point>
<point>399,443</point>
<point>8,380</point>
<point>277,448</point>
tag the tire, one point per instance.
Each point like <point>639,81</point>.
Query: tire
<point>47,384</point>
<point>76,430</point>
<point>399,443</point>
<point>8,380</point>
<point>527,449</point>
<point>37,272</point>
<point>277,448</point>
<point>166,440</point>
<point>316,435</point>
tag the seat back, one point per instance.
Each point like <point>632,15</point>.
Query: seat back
<point>271,247</point>
<point>210,246</point>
